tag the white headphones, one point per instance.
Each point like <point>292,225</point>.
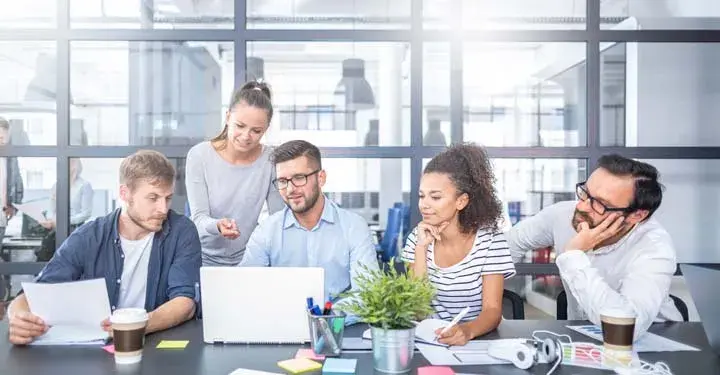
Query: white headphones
<point>524,354</point>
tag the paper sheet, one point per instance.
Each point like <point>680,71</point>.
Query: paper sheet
<point>35,209</point>
<point>73,310</point>
<point>649,342</point>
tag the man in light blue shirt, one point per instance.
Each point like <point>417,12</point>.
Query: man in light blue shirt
<point>312,231</point>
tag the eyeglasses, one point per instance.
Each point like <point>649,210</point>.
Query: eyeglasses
<point>298,180</point>
<point>596,205</point>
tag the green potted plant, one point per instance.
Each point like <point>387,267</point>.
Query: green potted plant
<point>391,303</point>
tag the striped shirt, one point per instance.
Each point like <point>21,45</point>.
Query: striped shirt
<point>460,285</point>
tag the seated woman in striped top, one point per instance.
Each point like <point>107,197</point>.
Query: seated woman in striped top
<point>457,245</point>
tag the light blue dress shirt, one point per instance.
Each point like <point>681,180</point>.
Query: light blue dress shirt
<point>340,243</point>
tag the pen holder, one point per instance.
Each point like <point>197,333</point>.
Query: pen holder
<point>326,333</point>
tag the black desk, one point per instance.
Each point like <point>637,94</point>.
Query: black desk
<point>199,358</point>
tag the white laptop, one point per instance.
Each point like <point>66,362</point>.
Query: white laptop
<point>258,304</point>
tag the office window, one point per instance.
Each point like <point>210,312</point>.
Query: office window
<point>521,14</point>
<point>102,176</point>
<point>691,200</point>
<point>368,187</point>
<point>149,14</point>
<point>28,14</point>
<point>659,14</point>
<point>28,233</point>
<point>149,93</point>
<point>336,94</point>
<point>660,94</point>
<point>28,91</point>
<point>318,14</point>
<point>524,94</point>
<point>436,94</point>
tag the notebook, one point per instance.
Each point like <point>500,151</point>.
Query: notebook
<point>258,304</point>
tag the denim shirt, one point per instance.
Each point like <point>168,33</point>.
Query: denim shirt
<point>93,251</point>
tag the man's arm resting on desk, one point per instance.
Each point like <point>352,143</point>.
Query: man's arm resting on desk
<point>170,314</point>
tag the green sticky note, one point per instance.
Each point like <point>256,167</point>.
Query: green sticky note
<point>172,344</point>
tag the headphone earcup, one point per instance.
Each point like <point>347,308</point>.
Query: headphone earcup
<point>551,350</point>
<point>523,356</point>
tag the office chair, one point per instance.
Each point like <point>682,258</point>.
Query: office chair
<point>388,247</point>
<point>561,305</point>
<point>516,304</point>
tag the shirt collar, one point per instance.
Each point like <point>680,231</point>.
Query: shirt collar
<point>116,225</point>
<point>328,214</point>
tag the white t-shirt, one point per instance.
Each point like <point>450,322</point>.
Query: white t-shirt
<point>133,284</point>
<point>460,285</point>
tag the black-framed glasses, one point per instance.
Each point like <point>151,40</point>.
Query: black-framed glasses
<point>596,205</point>
<point>298,180</point>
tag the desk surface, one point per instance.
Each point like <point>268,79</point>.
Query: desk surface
<point>200,358</point>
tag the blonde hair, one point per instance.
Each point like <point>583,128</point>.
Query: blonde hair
<point>147,165</point>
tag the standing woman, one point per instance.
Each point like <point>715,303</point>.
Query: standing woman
<point>458,244</point>
<point>230,177</point>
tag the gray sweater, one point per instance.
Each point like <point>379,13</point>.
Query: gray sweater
<point>217,189</point>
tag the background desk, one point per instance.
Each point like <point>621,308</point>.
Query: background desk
<point>199,358</point>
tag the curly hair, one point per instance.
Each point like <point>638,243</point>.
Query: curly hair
<point>470,170</point>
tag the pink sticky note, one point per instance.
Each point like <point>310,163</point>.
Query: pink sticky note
<point>309,354</point>
<point>109,348</point>
<point>435,370</point>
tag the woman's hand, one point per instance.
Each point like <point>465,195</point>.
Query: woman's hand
<point>228,228</point>
<point>48,224</point>
<point>427,233</point>
<point>458,335</point>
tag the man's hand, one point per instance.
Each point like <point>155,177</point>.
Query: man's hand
<point>24,327</point>
<point>427,233</point>
<point>106,326</point>
<point>587,239</point>
<point>228,228</point>
<point>458,335</point>
<point>9,211</point>
<point>48,224</point>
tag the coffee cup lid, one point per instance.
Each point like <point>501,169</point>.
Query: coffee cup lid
<point>128,316</point>
<point>617,312</point>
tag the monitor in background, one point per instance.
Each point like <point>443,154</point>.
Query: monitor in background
<point>702,280</point>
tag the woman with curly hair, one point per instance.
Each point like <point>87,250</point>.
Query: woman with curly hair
<point>458,245</point>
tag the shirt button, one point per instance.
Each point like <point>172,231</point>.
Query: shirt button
<point>112,307</point>
<point>122,256</point>
<point>118,281</point>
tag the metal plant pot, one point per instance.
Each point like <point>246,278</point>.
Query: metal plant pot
<point>393,349</point>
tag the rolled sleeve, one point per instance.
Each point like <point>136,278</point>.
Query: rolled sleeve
<point>184,274</point>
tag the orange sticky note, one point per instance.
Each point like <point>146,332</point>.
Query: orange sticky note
<point>298,365</point>
<point>435,370</point>
<point>309,354</point>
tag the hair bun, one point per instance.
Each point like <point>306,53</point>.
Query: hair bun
<point>258,85</point>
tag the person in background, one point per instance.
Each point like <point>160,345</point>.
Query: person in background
<point>11,192</point>
<point>144,240</point>
<point>458,244</point>
<point>81,201</point>
<point>229,178</point>
<point>312,231</point>
<point>611,252</point>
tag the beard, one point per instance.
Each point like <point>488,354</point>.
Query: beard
<point>143,223</point>
<point>307,204</point>
<point>579,217</point>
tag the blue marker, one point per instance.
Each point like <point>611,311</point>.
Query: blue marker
<point>310,303</point>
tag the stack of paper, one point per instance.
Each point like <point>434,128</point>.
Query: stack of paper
<point>74,311</point>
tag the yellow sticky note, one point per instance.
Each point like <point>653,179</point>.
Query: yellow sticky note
<point>298,365</point>
<point>172,344</point>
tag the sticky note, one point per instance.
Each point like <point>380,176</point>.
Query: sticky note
<point>172,344</point>
<point>109,348</point>
<point>299,365</point>
<point>244,371</point>
<point>435,370</point>
<point>309,354</point>
<point>339,366</point>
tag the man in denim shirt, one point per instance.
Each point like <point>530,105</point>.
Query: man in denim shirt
<point>148,255</point>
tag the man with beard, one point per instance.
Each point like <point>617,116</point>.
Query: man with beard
<point>312,231</point>
<point>611,253</point>
<point>144,240</point>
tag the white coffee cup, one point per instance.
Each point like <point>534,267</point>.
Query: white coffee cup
<point>618,325</point>
<point>128,327</point>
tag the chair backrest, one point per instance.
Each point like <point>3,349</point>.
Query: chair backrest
<point>388,244</point>
<point>561,306</point>
<point>516,304</point>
